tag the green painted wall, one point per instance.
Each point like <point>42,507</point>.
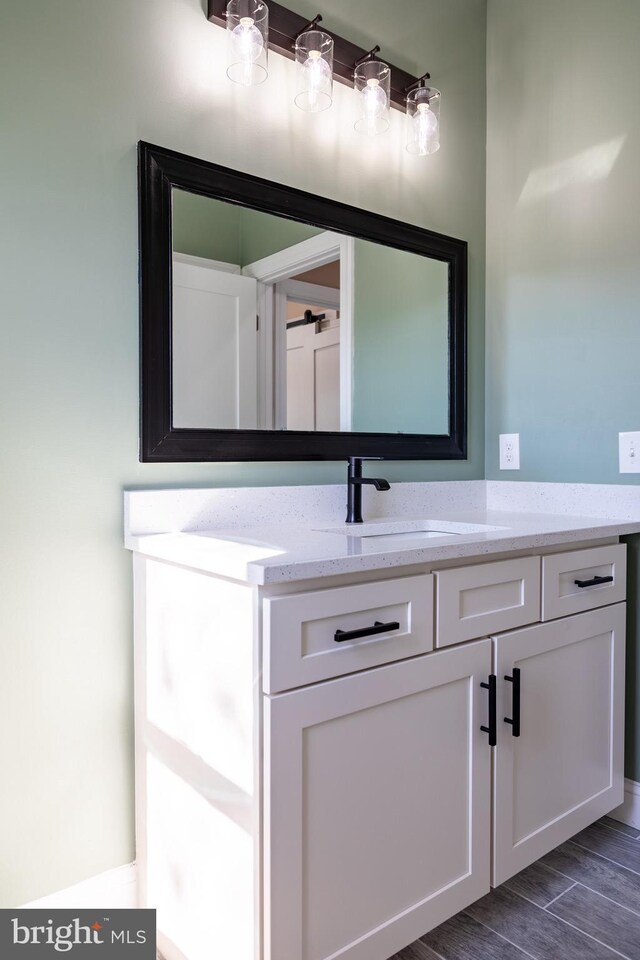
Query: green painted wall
<point>400,341</point>
<point>563,235</point>
<point>563,239</point>
<point>203,227</point>
<point>263,234</point>
<point>83,82</point>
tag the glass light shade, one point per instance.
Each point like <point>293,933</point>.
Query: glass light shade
<point>314,82</point>
<point>423,121</point>
<point>247,41</point>
<point>372,80</point>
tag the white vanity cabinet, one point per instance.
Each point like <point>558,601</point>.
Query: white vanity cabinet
<point>564,769</point>
<point>559,686</point>
<point>315,778</point>
<point>377,798</point>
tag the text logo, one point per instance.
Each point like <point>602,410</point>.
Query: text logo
<point>33,934</point>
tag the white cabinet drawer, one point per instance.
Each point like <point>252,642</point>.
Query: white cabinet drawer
<point>486,598</point>
<point>307,636</point>
<point>562,596</point>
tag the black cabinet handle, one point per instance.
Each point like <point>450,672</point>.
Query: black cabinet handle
<point>593,583</point>
<point>515,721</point>
<point>342,635</point>
<point>492,729</point>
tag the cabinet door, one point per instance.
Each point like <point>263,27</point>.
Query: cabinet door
<point>565,769</point>
<point>377,806</point>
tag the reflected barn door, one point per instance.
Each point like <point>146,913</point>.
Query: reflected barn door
<point>214,349</point>
<point>313,374</point>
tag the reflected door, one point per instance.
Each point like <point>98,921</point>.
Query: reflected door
<point>214,349</point>
<point>313,376</point>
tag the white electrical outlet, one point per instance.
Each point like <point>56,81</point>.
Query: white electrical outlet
<point>509,451</point>
<point>629,452</point>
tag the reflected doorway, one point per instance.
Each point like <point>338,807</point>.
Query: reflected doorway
<point>308,307</point>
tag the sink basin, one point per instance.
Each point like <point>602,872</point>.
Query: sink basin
<point>399,530</point>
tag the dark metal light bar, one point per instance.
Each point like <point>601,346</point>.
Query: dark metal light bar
<point>285,26</point>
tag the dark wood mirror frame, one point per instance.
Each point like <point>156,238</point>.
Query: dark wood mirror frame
<point>159,171</point>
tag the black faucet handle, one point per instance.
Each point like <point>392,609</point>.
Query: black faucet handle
<point>378,482</point>
<point>355,483</point>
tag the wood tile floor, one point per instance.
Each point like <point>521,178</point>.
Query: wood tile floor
<point>580,902</point>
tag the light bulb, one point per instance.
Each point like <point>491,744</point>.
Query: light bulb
<point>424,130</point>
<point>317,74</point>
<point>247,45</point>
<point>314,55</point>
<point>246,40</point>
<point>372,80</point>
<point>374,101</point>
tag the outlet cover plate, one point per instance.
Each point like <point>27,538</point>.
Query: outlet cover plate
<point>629,452</point>
<point>509,451</point>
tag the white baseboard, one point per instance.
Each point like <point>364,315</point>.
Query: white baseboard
<point>115,889</point>
<point>629,811</point>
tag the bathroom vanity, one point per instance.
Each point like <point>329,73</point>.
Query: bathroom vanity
<point>345,737</point>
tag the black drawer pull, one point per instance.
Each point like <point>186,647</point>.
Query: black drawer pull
<point>492,729</point>
<point>593,583</point>
<point>515,722</point>
<point>342,635</point>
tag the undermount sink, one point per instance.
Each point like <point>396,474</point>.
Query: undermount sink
<point>409,529</point>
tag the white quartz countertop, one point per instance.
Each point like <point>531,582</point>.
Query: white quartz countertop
<point>266,553</point>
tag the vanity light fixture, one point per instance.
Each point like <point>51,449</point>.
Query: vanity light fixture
<point>423,118</point>
<point>314,58</point>
<point>248,38</point>
<point>320,56</point>
<point>372,80</point>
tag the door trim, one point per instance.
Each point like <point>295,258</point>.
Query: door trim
<point>277,269</point>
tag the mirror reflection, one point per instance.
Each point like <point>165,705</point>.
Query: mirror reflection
<point>278,325</point>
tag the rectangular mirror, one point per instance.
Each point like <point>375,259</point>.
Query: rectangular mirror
<point>278,325</point>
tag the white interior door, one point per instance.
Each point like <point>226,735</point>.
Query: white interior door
<point>313,377</point>
<point>565,769</point>
<point>214,349</point>
<point>277,270</point>
<point>377,806</point>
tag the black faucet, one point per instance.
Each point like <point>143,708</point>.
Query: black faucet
<point>355,482</point>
